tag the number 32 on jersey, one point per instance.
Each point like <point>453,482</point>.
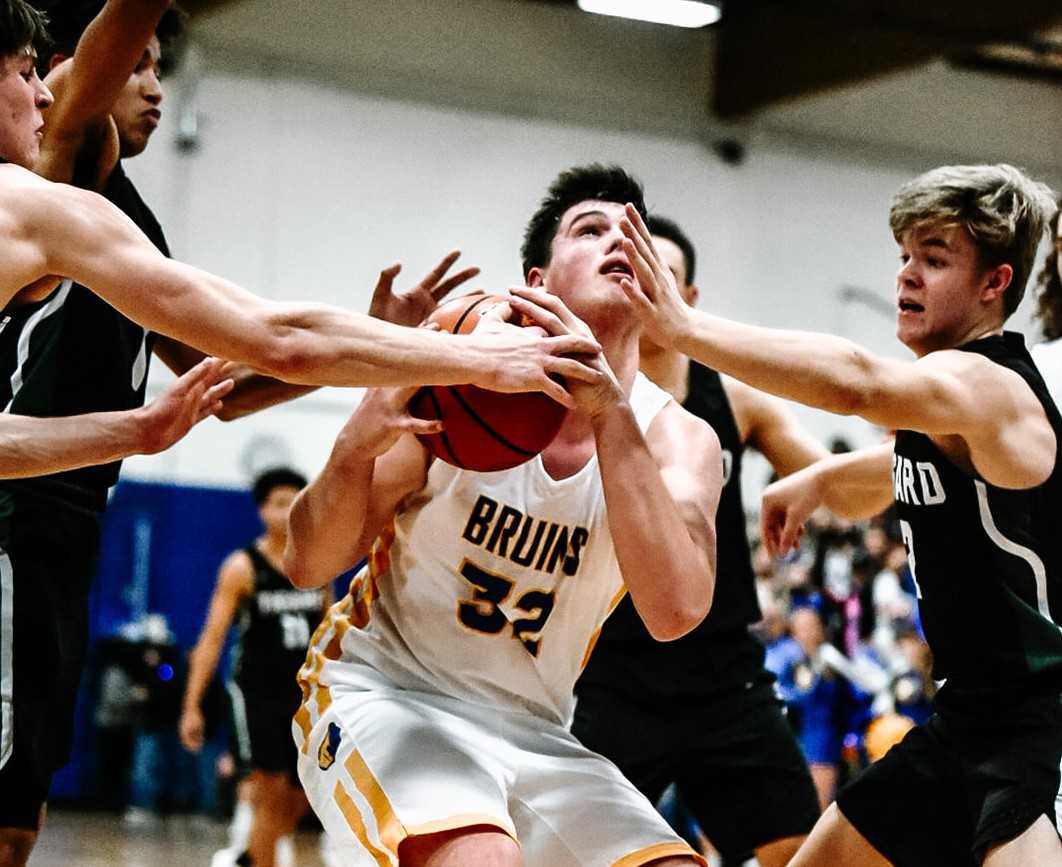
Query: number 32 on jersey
<point>490,590</point>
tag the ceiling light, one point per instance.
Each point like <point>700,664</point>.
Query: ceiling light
<point>680,13</point>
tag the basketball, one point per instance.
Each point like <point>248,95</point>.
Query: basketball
<point>484,430</point>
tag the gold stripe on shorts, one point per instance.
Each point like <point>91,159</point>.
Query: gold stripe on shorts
<point>350,812</point>
<point>390,829</point>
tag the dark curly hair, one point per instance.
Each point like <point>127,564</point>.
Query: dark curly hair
<point>270,480</point>
<point>67,20</point>
<point>580,184</point>
<point>1049,287</point>
<point>662,227</point>
<point>21,27</point>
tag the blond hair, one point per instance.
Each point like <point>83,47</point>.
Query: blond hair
<point>1003,210</point>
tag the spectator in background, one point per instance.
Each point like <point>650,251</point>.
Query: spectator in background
<point>1048,355</point>
<point>815,698</point>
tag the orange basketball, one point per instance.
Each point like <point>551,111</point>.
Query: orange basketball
<point>484,430</point>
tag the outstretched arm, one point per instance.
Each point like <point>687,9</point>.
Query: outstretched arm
<point>87,86</point>
<point>31,446</point>
<point>253,391</point>
<point>64,231</point>
<point>235,583</point>
<point>943,393</point>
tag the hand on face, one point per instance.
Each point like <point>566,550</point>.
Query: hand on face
<point>654,295</point>
<point>416,305</point>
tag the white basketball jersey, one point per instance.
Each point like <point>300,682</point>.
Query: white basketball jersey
<point>490,587</point>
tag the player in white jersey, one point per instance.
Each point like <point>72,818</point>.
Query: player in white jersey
<point>439,691</point>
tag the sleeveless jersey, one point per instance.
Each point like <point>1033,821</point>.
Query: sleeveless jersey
<point>489,587</point>
<point>275,623</point>
<point>704,660</point>
<point>75,354</point>
<point>987,561</point>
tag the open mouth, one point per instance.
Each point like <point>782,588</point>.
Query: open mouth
<point>911,307</point>
<point>618,266</point>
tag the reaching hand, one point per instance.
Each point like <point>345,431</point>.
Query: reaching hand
<point>380,419</point>
<point>787,505</point>
<point>193,397</point>
<point>655,296</point>
<point>529,359</point>
<point>414,306</point>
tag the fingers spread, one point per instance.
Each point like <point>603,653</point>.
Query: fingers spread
<point>447,286</point>
<point>438,272</point>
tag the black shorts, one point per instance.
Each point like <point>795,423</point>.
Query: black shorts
<point>733,758</point>
<point>262,729</point>
<point>960,783</point>
<point>47,560</point>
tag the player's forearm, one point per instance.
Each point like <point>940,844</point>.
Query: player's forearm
<point>253,392</point>
<point>670,578</point>
<point>327,520</point>
<point>856,485</point>
<point>312,344</point>
<point>202,663</point>
<point>32,446</point>
<point>818,370</point>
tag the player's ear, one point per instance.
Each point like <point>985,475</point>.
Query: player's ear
<point>56,59</point>
<point>996,283</point>
<point>692,294</point>
<point>536,278</point>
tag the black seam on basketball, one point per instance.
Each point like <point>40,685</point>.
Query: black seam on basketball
<point>464,316</point>
<point>476,418</point>
<point>442,434</point>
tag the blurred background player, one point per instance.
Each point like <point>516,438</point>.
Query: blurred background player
<point>977,477</point>
<point>702,711</point>
<point>1048,355</point>
<point>440,689</point>
<point>275,622</point>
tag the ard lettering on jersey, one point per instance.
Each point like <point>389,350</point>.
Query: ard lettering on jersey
<point>524,539</point>
<point>916,483</point>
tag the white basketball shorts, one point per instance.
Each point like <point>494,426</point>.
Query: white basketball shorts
<point>383,763</point>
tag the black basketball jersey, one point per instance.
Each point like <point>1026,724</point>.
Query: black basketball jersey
<point>73,353</point>
<point>707,659</point>
<point>275,625</point>
<point>987,561</point>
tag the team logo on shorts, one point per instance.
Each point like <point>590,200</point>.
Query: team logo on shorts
<point>326,755</point>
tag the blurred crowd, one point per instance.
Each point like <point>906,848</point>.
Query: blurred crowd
<point>840,623</point>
